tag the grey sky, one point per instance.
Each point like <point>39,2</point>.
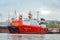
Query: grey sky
<point>24,6</point>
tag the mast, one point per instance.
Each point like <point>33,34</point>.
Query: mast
<point>1,16</point>
<point>37,15</point>
<point>9,19</point>
<point>15,15</point>
<point>30,15</point>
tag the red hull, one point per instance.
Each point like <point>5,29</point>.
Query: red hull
<point>32,29</point>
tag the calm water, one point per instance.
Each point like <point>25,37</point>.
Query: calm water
<point>5,36</point>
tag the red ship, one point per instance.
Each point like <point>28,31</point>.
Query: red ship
<point>18,26</point>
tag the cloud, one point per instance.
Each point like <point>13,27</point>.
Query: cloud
<point>51,3</point>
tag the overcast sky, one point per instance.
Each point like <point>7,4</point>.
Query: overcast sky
<point>51,8</point>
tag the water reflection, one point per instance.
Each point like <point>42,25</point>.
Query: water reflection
<point>5,36</point>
